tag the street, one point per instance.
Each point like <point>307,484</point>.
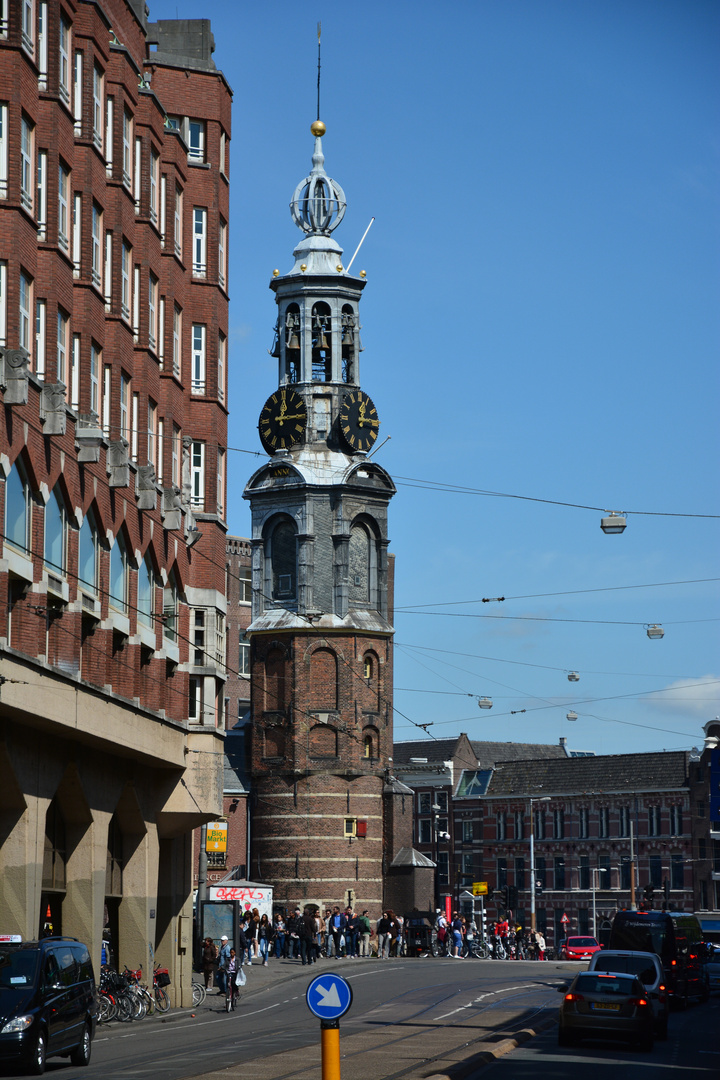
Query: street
<point>410,1018</point>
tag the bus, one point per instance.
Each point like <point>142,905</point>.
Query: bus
<point>676,937</point>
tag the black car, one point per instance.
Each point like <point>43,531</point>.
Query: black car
<point>47,1002</point>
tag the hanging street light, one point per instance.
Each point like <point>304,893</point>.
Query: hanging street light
<point>655,631</point>
<point>573,676</point>
<point>571,715</point>
<point>485,703</point>
<point>615,523</point>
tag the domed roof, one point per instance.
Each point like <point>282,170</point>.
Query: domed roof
<point>318,204</point>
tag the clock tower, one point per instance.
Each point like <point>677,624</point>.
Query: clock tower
<point>321,633</point>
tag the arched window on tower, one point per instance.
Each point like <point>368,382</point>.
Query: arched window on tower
<point>275,681</point>
<point>321,342</point>
<point>349,344</point>
<point>283,561</point>
<point>371,742</point>
<point>292,343</point>
<point>362,565</point>
<point>323,680</point>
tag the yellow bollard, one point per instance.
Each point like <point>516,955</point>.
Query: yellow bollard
<point>330,1048</point>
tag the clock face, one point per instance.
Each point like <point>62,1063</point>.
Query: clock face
<point>283,420</point>
<point>359,422</point>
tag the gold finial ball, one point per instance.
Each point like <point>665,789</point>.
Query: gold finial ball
<point>339,268</point>
<point>363,273</point>
<point>276,273</point>
<point>318,128</point>
<point>303,267</point>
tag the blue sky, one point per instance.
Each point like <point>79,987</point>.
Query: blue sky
<point>540,320</point>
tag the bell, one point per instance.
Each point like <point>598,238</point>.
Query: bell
<point>293,341</point>
<point>347,338</point>
<point>323,343</point>
<point>275,351</point>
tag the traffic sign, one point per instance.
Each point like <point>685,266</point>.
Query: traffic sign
<point>564,918</point>
<point>479,888</point>
<point>329,997</point>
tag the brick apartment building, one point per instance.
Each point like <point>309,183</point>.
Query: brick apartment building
<point>114,163</point>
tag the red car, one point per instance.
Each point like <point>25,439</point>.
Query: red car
<point>579,948</point>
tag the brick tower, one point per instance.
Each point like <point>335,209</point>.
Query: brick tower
<point>321,634</point>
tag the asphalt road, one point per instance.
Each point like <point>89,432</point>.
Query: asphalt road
<point>410,1018</point>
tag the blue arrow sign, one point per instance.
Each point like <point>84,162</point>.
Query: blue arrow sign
<point>329,996</point>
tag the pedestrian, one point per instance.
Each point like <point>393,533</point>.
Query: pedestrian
<point>209,959</point>
<point>338,923</point>
<point>319,933</point>
<point>365,930</point>
<point>306,935</point>
<point>223,961</point>
<point>383,936</point>
<point>279,935</point>
<point>264,933</point>
<point>457,936</point>
<point>352,933</point>
<point>293,943</point>
<point>540,945</point>
<point>393,933</point>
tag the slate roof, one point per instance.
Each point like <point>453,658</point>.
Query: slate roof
<point>660,771</point>
<point>236,780</point>
<point>435,750</point>
<point>439,750</point>
<point>408,856</point>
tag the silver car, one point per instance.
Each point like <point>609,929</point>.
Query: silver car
<point>648,968</point>
<point>599,1005</point>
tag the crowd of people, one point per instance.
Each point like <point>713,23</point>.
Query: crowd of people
<point>346,934</point>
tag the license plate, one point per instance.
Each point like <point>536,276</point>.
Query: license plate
<point>605,1006</point>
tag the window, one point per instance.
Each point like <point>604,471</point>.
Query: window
<point>604,821</point>
<point>152,311</point>
<point>146,589</point>
<point>97,128</point>
<point>676,821</point>
<point>559,872</point>
<point>75,372</point>
<point>40,332</point>
<point>221,483</point>
<point>584,872</point>
<point>77,226</point>
<point>55,534</point>
<point>195,701</point>
<point>109,121</point>
<point>108,271</point>
<point>125,407</point>
<point>178,221</point>
<point>77,92</point>
<point>443,867</point>
<point>163,209</point>
<point>152,434</point>
<point>244,658</point>
<point>63,207</point>
<point>17,508</point>
<point>42,51</point>
<point>125,281</point>
<point>223,153</point>
<point>467,866</point>
<point>501,826</point>
<point>175,456</point>
<point>170,608</point>
<point>367,666</point>
<point>25,308</point>
<point>127,149</point>
<point>283,556</point>
<point>604,878</point>
<point>539,824</point>
<point>425,802</point>
<point>425,833</point>
<point>28,26</point>
<point>136,303</point>
<point>198,359</point>
<point>540,872</point>
<point>161,332</point>
<point>95,365</point>
<point>677,873</point>
<point>42,189</point>
<point>160,451</point>
<point>96,245</point>
<point>3,302</point>
<point>222,251</point>
<point>467,832</point>
<point>625,865</point>
<point>245,584</point>
<point>3,150</point>
<point>64,54</point>
<point>558,824</point>
<point>107,381</point>
<point>502,873</point>
<point>196,140</point>
<point>653,821</point>
<point>137,187</point>
<point>197,475</point>
<point>88,554</point>
<point>655,862</point>
<point>118,574</point>
<point>134,427</point>
<point>177,341</point>
<point>222,347</point>
<point>199,242</point>
<point>441,800</point>
<point>519,824</point>
<point>27,176</point>
<point>199,638</point>
<point>154,184</point>
<point>624,822</point>
<point>520,872</point>
<point>583,823</point>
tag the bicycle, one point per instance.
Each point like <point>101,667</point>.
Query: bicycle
<point>232,993</point>
<point>199,994</point>
<point>161,979</point>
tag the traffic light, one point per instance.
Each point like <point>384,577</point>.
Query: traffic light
<point>538,886</point>
<point>505,895</point>
<point>648,893</point>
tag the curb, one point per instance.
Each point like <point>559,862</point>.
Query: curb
<point>465,1069</point>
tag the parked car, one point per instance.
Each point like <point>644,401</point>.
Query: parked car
<point>600,1005</point>
<point>649,970</point>
<point>578,948</point>
<point>47,1002</point>
<point>712,965</point>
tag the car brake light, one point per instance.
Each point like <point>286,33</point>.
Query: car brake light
<point>638,1001</point>
<point>673,963</point>
<point>574,997</point>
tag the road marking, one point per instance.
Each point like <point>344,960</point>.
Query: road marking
<point>490,993</point>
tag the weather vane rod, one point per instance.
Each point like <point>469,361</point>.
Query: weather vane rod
<point>318,103</point>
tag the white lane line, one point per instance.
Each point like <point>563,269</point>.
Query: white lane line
<point>490,993</point>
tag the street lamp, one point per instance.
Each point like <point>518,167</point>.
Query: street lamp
<point>436,808</point>
<point>541,798</point>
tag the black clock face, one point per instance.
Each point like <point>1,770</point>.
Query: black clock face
<point>283,420</point>
<point>359,422</point>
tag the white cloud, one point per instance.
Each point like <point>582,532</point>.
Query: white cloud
<point>700,696</point>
